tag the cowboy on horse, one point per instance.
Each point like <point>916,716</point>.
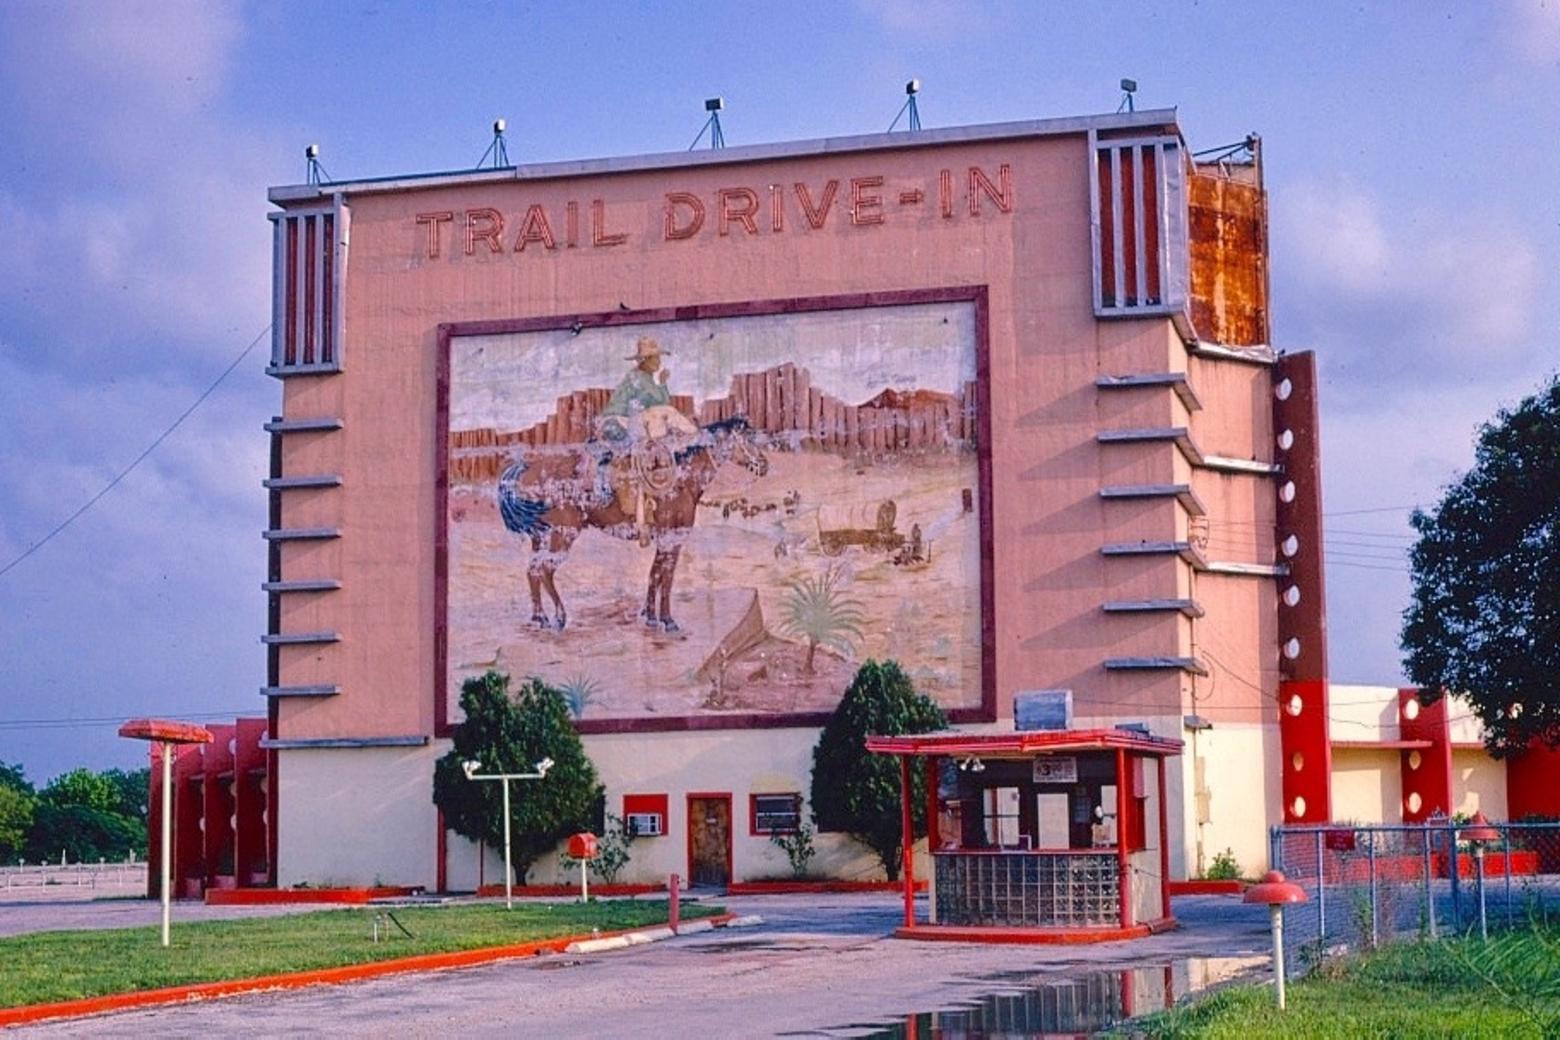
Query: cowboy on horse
<point>638,421</point>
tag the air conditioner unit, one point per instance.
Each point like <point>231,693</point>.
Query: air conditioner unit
<point>646,824</point>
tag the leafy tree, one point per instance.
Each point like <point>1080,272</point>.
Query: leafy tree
<point>83,834</point>
<point>817,609</point>
<point>83,788</point>
<point>15,777</point>
<point>511,735</point>
<point>16,817</point>
<point>1484,619</point>
<point>856,791</point>
<point>131,790</point>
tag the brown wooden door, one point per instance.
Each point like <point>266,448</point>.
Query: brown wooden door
<point>709,839</point>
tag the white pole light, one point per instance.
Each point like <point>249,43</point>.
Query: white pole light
<point>470,767</point>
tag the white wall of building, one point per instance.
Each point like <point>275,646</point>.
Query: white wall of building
<point>1367,785</point>
<point>358,816</point>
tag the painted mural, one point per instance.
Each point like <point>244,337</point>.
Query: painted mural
<point>718,515</point>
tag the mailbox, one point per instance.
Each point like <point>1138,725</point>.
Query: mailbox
<point>582,845</point>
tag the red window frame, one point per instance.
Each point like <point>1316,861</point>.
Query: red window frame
<point>648,803</point>
<point>753,828</point>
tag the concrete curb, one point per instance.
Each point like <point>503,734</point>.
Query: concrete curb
<point>639,938</point>
<point>29,1014</point>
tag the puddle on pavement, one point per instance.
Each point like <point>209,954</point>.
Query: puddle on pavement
<point>1035,1004</point>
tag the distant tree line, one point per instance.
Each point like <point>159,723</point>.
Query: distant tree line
<point>83,815</point>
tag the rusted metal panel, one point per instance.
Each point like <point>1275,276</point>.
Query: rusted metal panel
<point>1229,250</point>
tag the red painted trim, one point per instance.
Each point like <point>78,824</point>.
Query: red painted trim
<point>441,537</point>
<point>1037,936</point>
<point>973,294</point>
<point>441,866</point>
<point>730,830</point>
<point>907,841</point>
<point>781,888</point>
<point>1431,731</point>
<point>1022,743</point>
<point>291,896</point>
<point>1164,842</point>
<point>1307,733</point>
<point>1533,782</point>
<point>933,776</point>
<point>549,891</point>
<point>1123,860</point>
<point>33,1013</point>
<point>1200,887</point>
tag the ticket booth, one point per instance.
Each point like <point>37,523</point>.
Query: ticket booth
<point>1052,836</point>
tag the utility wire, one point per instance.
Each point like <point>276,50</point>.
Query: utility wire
<point>114,720</point>
<point>46,539</point>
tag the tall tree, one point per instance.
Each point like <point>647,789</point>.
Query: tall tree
<point>83,788</point>
<point>16,819</point>
<point>1484,619</point>
<point>15,777</point>
<point>856,791</point>
<point>511,735</point>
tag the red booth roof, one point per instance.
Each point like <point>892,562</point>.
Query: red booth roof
<point>1025,743</point>
<point>166,731</point>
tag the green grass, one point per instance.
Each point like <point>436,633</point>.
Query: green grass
<point>49,966</point>
<point>1454,988</point>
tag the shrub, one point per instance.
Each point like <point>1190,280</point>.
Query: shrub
<point>1224,867</point>
<point>856,791</point>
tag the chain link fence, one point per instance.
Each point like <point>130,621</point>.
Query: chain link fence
<point>1373,884</point>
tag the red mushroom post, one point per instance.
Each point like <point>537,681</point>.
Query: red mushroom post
<point>167,734</point>
<point>582,846</point>
<point>1276,892</point>
<point>1479,833</point>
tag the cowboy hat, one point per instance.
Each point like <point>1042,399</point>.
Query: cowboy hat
<point>646,348</point>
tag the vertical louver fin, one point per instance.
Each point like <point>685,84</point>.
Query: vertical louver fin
<point>1139,226</point>
<point>309,262</point>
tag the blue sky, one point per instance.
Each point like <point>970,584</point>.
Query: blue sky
<point>1412,163</point>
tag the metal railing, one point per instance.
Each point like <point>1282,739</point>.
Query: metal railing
<point>103,874</point>
<point>1373,884</point>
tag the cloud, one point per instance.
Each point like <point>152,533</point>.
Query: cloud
<point>142,215</point>
<point>1394,297</point>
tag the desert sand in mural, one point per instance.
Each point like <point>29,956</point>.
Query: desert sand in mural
<point>815,516</point>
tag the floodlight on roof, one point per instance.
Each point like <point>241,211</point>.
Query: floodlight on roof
<point>496,149</point>
<point>713,106</point>
<point>1128,88</point>
<point>912,88</point>
<point>315,172</point>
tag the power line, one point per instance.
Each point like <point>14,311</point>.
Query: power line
<point>115,720</point>
<point>46,539</point>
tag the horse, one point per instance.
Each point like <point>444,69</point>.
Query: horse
<point>552,498</point>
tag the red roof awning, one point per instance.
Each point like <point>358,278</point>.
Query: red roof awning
<point>1028,743</point>
<point>165,731</point>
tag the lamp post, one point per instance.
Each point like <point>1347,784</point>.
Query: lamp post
<point>166,735</point>
<point>470,767</point>
<point>1276,892</point>
<point>1479,833</point>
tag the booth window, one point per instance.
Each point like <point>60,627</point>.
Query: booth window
<point>775,813</point>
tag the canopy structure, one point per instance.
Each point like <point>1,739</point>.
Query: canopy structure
<point>165,731</point>
<point>1040,836</point>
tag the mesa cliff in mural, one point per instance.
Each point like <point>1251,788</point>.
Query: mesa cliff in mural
<point>676,519</point>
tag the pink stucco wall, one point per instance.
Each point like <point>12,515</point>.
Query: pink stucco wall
<point>1046,351</point>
